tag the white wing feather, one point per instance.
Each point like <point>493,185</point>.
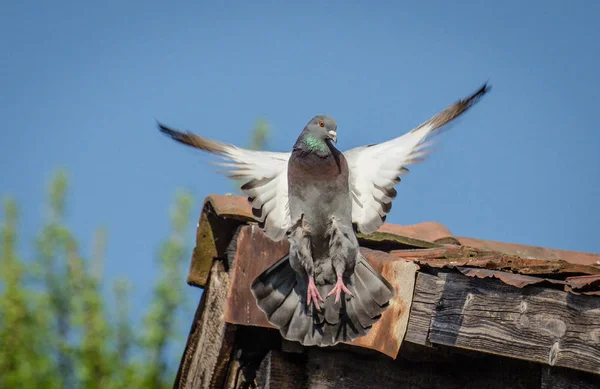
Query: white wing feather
<point>376,169</point>
<point>264,174</point>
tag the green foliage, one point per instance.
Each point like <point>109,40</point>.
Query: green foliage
<point>25,361</point>
<point>258,141</point>
<point>56,330</point>
<point>260,135</point>
<point>160,320</point>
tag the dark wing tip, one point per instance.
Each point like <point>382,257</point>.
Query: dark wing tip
<point>190,139</point>
<point>456,109</point>
<point>174,134</point>
<point>469,101</point>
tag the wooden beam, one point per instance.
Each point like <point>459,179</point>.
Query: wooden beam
<point>213,235</point>
<point>428,289</point>
<point>533,323</point>
<point>559,378</point>
<point>326,368</point>
<point>204,363</point>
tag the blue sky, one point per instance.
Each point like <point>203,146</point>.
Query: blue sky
<point>82,85</point>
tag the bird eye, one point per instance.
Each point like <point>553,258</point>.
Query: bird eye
<point>322,123</point>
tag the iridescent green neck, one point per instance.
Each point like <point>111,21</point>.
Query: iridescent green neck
<point>315,144</point>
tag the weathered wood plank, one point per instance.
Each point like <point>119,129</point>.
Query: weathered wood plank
<point>560,378</point>
<point>209,344</point>
<point>325,368</point>
<point>428,290</point>
<point>282,370</point>
<point>533,323</point>
<point>252,344</point>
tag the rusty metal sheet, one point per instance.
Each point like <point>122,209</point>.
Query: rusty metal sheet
<point>427,231</point>
<point>231,206</point>
<point>388,333</point>
<point>584,284</point>
<point>517,280</point>
<point>524,251</point>
<point>589,285</point>
<point>255,253</point>
<point>237,207</point>
<point>452,255</point>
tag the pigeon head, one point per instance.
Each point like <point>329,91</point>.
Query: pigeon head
<point>322,127</point>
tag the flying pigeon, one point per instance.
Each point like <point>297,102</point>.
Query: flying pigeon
<point>318,198</point>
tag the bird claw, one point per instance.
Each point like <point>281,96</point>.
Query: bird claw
<point>312,294</point>
<point>338,289</point>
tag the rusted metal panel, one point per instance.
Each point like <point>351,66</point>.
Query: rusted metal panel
<point>235,207</point>
<point>589,285</point>
<point>524,251</point>
<point>238,207</point>
<point>517,280</point>
<point>388,333</point>
<point>511,270</point>
<point>584,284</point>
<point>255,253</point>
<point>427,231</point>
<point>385,241</point>
<point>451,255</point>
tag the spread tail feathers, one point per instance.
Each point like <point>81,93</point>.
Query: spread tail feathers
<point>280,292</point>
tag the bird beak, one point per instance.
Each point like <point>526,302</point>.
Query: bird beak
<point>333,136</point>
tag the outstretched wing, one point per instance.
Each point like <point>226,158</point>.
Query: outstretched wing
<point>264,173</point>
<point>376,169</point>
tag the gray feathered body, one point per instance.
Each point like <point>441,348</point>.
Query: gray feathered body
<point>322,243</point>
<point>318,194</point>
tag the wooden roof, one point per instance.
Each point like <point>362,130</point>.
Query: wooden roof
<point>524,302</point>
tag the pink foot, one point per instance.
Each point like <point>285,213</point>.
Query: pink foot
<point>312,294</point>
<point>338,289</point>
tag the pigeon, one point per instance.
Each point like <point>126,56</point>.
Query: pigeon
<point>324,291</point>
